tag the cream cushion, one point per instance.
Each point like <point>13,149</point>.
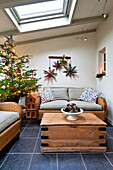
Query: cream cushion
<point>7,118</point>
<point>87,105</point>
<point>74,93</point>
<point>59,93</point>
<point>54,105</point>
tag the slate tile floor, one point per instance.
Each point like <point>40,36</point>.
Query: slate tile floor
<point>24,153</point>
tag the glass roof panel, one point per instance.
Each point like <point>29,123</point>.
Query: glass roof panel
<point>40,9</point>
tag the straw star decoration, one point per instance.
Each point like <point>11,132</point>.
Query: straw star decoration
<point>57,65</point>
<point>70,71</point>
<point>50,75</point>
<point>10,40</point>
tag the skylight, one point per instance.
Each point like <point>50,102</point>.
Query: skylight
<point>43,14</point>
<point>40,9</point>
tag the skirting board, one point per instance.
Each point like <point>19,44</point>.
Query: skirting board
<point>110,121</point>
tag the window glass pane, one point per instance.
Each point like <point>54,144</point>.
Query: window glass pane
<point>40,9</point>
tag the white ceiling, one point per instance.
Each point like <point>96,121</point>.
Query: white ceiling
<point>81,21</point>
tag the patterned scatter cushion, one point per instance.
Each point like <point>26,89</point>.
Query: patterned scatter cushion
<point>89,95</point>
<point>47,96</point>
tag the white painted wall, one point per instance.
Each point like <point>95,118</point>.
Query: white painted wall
<point>105,85</point>
<point>83,54</point>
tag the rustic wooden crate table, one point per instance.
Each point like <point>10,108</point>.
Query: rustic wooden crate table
<point>87,133</point>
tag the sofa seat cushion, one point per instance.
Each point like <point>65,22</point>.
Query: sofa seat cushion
<point>87,106</point>
<point>7,118</point>
<point>54,105</point>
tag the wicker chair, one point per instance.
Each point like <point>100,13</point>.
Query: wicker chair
<point>14,128</point>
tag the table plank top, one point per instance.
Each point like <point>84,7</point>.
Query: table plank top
<point>56,119</point>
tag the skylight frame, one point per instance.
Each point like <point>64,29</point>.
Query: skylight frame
<point>40,9</point>
<point>41,17</point>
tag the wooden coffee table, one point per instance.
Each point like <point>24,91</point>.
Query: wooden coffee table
<point>58,134</point>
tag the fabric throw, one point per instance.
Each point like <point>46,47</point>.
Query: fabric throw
<point>47,96</point>
<point>89,95</point>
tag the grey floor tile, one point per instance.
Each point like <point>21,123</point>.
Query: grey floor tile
<point>110,131</point>
<point>110,157</point>
<point>29,132</point>
<point>2,158</point>
<point>16,162</point>
<point>109,143</point>
<point>33,123</point>
<point>96,162</point>
<point>43,162</point>
<point>24,146</point>
<point>38,145</point>
<point>70,162</point>
<point>39,134</point>
<point>109,126</point>
<point>24,122</point>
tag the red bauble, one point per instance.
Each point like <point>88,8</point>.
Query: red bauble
<point>13,88</point>
<point>7,63</point>
<point>11,52</point>
<point>10,74</point>
<point>19,71</point>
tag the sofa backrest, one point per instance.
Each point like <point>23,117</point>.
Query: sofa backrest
<point>60,93</point>
<point>74,93</point>
<point>66,93</point>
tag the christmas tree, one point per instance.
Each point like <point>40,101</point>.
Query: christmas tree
<point>17,80</point>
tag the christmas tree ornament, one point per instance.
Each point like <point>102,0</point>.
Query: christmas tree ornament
<point>16,85</point>
<point>70,71</point>
<point>3,87</point>
<point>50,75</point>
<point>6,63</point>
<point>12,89</point>
<point>34,73</point>
<point>6,67</point>
<point>19,71</point>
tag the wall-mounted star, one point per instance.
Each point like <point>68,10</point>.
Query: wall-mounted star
<point>57,65</point>
<point>50,75</point>
<point>70,71</point>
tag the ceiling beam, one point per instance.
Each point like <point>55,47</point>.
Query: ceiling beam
<point>88,20</point>
<point>54,37</point>
<point>75,22</point>
<point>13,3</point>
<point>8,33</point>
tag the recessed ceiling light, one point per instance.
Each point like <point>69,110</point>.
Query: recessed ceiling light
<point>104,15</point>
<point>85,38</point>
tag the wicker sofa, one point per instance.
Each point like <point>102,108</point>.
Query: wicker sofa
<point>63,95</point>
<point>10,122</point>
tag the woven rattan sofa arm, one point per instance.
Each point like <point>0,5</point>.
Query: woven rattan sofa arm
<point>11,106</point>
<point>102,102</point>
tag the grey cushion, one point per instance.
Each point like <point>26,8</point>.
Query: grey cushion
<point>7,117</point>
<point>87,106</point>
<point>74,93</point>
<point>59,93</point>
<point>54,105</point>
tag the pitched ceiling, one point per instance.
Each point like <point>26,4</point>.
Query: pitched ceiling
<point>86,17</point>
